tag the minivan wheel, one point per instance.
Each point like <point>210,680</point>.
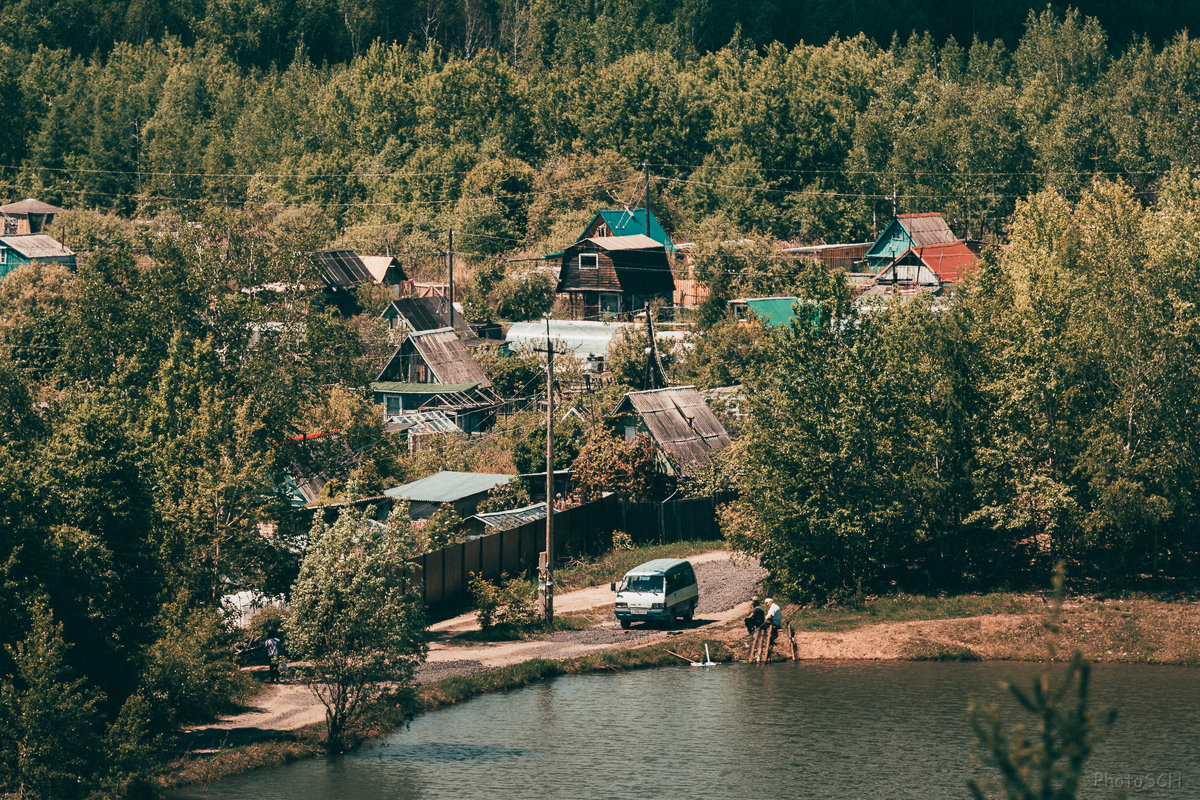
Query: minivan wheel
<point>624,624</point>
<point>689,613</point>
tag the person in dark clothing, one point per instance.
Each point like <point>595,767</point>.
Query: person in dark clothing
<point>757,617</point>
<point>274,653</point>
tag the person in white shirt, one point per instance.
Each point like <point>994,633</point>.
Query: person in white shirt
<point>774,617</point>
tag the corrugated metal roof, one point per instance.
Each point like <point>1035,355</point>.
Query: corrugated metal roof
<point>951,262</point>
<point>637,241</point>
<point>400,387</point>
<point>448,487</point>
<point>417,422</point>
<point>928,228</point>
<point>626,221</point>
<point>30,206</point>
<point>431,313</point>
<point>341,269</point>
<point>448,359</point>
<point>36,245</point>
<point>773,311</point>
<point>513,518</point>
<point>680,422</point>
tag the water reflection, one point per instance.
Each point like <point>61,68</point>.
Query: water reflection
<point>809,730</point>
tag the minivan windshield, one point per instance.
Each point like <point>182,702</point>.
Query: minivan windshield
<point>642,583</point>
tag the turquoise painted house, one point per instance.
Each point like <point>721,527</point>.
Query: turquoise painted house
<point>904,232</point>
<point>32,248</point>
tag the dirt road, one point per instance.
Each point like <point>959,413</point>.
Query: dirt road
<point>725,588</point>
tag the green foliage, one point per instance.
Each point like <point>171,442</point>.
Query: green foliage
<point>514,494</point>
<point>621,541</point>
<point>189,668</point>
<point>514,374</point>
<point>627,359</point>
<point>51,745</point>
<point>443,528</point>
<point>607,463</point>
<point>508,604</point>
<point>356,617</point>
<point>527,296</point>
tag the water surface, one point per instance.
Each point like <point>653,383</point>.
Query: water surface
<point>807,730</point>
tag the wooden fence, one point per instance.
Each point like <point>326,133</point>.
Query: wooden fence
<point>579,531</point>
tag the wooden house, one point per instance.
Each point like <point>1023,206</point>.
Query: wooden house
<point>904,232</point>
<point>26,217</point>
<point>433,370</point>
<point>928,269</point>
<point>683,427</point>
<point>32,248</point>
<point>610,275</point>
<point>343,271</point>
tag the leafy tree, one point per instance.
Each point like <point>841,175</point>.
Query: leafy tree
<point>51,718</point>
<point>524,297</point>
<point>356,617</point>
<point>443,528</point>
<point>610,464</point>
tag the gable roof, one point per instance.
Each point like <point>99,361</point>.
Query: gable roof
<point>775,312</point>
<point>341,269</point>
<point>36,245</point>
<point>628,221</point>
<point>680,422</point>
<point>928,228</point>
<point>431,313</point>
<point>30,206</point>
<point>447,486</point>
<point>948,263</point>
<point>378,268</point>
<point>447,358</point>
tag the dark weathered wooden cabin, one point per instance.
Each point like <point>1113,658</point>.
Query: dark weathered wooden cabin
<point>433,370</point>
<point>609,275</point>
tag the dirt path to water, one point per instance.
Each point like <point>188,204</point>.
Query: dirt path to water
<point>726,585</point>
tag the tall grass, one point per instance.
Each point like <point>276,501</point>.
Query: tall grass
<point>615,563</point>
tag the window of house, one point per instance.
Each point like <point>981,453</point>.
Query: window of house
<point>10,226</point>
<point>3,255</point>
<point>610,303</point>
<point>422,373</point>
<point>589,261</point>
<point>631,432</point>
<point>603,231</point>
<point>393,405</point>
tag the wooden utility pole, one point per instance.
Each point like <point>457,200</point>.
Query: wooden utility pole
<point>546,560</point>
<point>450,263</point>
<point>646,173</point>
<point>652,369</point>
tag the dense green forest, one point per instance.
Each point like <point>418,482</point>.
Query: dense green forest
<point>146,402</point>
<point>401,142</point>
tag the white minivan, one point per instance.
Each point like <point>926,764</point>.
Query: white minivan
<point>660,590</point>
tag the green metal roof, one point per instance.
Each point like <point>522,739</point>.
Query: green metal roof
<point>448,487</point>
<point>398,387</point>
<point>626,222</point>
<point>776,311</point>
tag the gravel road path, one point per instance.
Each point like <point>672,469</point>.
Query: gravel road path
<point>725,585</point>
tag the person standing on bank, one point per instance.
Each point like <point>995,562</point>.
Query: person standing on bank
<point>274,654</point>
<point>757,617</point>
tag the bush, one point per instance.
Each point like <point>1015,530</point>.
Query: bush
<point>511,604</point>
<point>622,541</point>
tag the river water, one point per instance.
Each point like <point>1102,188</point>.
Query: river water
<point>836,730</point>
